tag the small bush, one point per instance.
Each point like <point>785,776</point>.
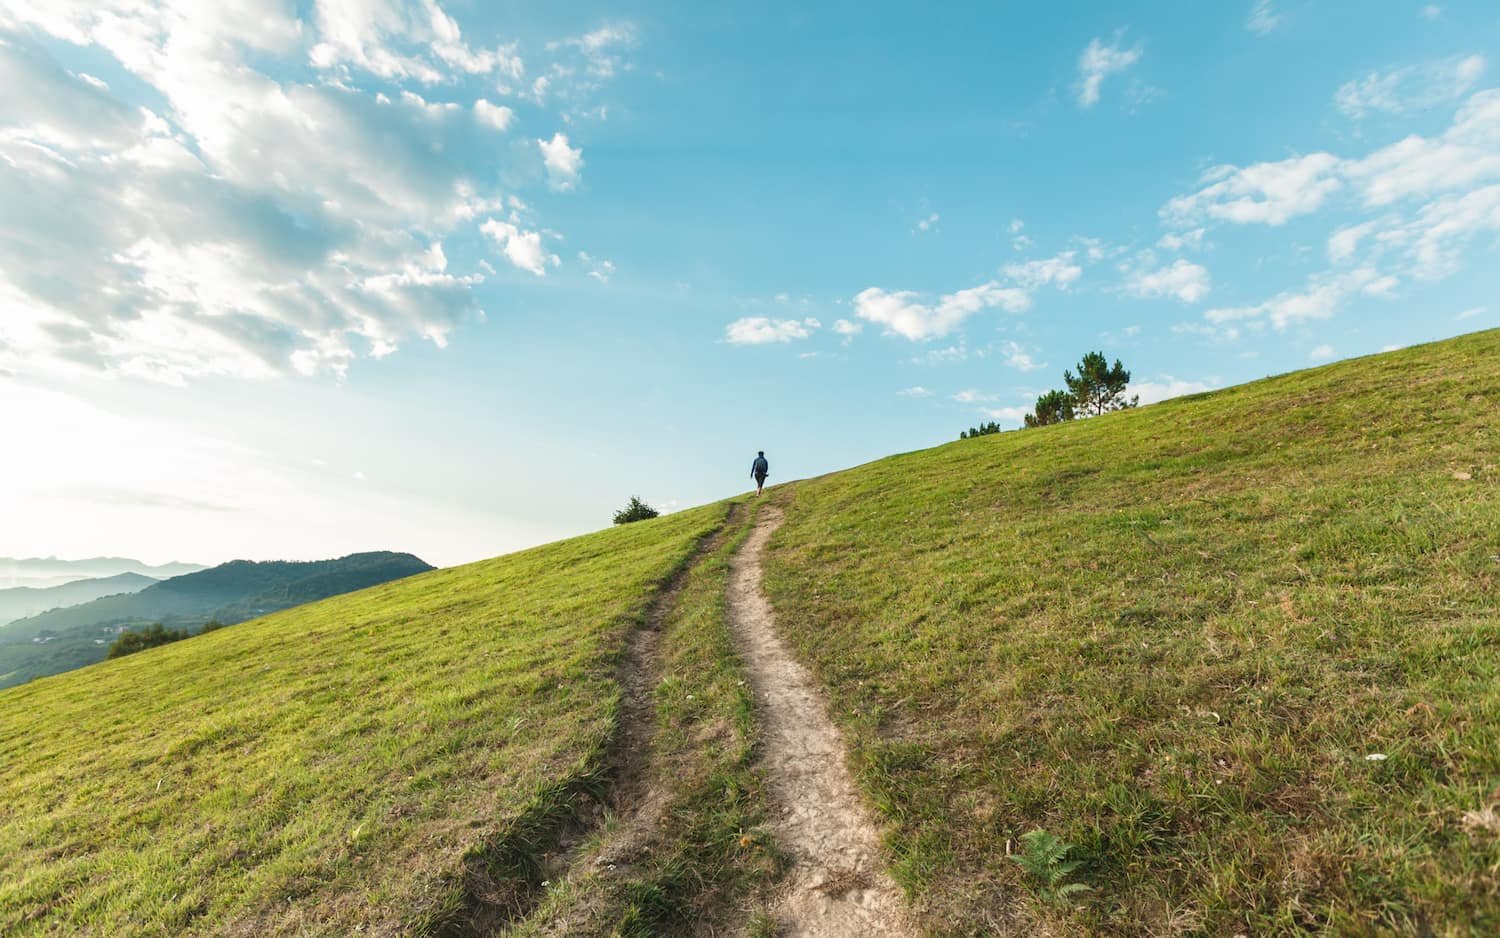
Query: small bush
<point>637,510</point>
<point>131,642</point>
<point>984,429</point>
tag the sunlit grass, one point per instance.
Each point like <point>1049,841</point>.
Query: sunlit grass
<point>326,768</point>
<point>1181,638</point>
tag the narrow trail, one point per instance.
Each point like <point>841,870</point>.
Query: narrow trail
<point>634,797</point>
<point>837,885</point>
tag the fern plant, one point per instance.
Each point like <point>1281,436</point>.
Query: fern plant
<point>1045,859</point>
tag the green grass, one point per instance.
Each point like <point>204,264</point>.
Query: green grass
<point>347,765</point>
<point>1174,637</point>
<point>1171,638</point>
<point>710,854</point>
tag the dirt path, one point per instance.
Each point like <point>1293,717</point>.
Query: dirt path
<point>838,886</point>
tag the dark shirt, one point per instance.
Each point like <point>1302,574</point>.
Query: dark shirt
<point>760,467</point>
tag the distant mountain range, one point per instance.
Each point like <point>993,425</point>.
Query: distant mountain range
<point>66,638</point>
<point>22,601</point>
<point>42,572</point>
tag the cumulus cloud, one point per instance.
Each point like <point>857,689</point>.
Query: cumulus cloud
<point>847,328</point>
<point>909,315</point>
<point>915,391</point>
<point>1463,156</point>
<point>1013,415</point>
<point>1098,62</point>
<point>564,163</point>
<point>215,232</point>
<point>1166,387</point>
<point>1413,87</point>
<point>497,116</point>
<point>1181,280</point>
<point>762,330</point>
<point>524,249</point>
<point>1321,354</point>
<point>1059,270</point>
<point>1321,299</point>
<point>1185,240</point>
<point>1018,358</point>
<point>1268,193</point>
<point>1430,198</point>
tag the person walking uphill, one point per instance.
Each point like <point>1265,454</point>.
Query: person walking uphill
<point>759,470</point>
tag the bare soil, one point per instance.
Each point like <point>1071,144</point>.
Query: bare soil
<point>837,886</point>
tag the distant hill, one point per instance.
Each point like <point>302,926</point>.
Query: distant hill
<point>62,639</point>
<point>44,572</point>
<point>22,601</point>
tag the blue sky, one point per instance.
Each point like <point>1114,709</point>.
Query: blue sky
<point>291,279</point>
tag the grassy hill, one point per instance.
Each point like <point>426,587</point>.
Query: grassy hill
<point>341,765</point>
<point>232,592</point>
<point>1241,649</point>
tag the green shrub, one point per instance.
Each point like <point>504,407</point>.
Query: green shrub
<point>131,642</point>
<point>637,510</point>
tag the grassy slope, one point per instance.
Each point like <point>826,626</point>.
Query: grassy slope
<point>709,852</point>
<point>326,767</point>
<point>1174,636</point>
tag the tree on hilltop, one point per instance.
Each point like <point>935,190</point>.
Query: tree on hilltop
<point>1052,407</point>
<point>1099,388</point>
<point>984,429</point>
<point>637,510</point>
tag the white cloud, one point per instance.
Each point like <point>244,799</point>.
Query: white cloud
<point>1466,154</point>
<point>1471,313</point>
<point>564,163</point>
<point>1177,241</point>
<point>1166,387</point>
<point>1413,87</point>
<point>1263,18</point>
<point>497,116</point>
<point>971,396</point>
<point>1098,62</point>
<point>597,267</point>
<point>249,223</point>
<point>848,329</point>
<point>1432,11</point>
<point>1013,415</point>
<point>1017,357</point>
<point>1320,300</point>
<point>760,330</point>
<point>1268,193</point>
<point>904,312</point>
<point>1182,280</point>
<point>524,249</point>
<point>1343,243</point>
<point>600,48</point>
<point>928,223</point>
<point>943,356</point>
<point>1321,354</point>
<point>915,391</point>
<point>1059,270</point>
<point>398,41</point>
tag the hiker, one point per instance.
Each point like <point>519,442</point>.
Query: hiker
<point>759,470</point>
